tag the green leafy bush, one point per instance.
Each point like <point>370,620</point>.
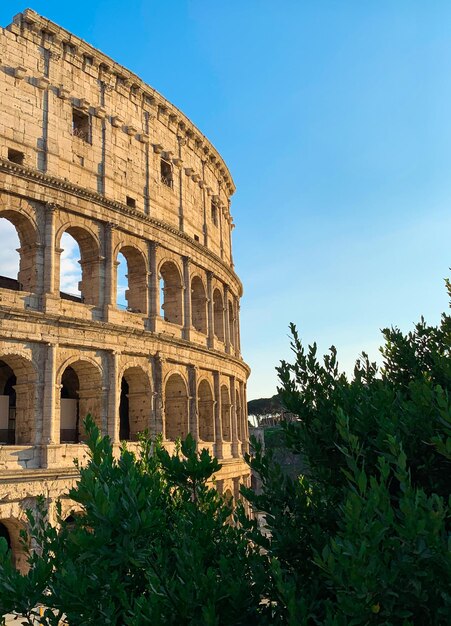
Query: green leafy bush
<point>363,536</point>
<point>152,546</point>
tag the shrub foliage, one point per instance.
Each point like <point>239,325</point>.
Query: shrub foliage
<point>361,538</point>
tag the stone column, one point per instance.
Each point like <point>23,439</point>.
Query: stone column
<point>245,446</point>
<point>204,203</point>
<point>193,373</point>
<point>186,298</point>
<point>210,316</point>
<point>158,394</point>
<point>237,327</point>
<point>113,397</point>
<point>217,414</point>
<point>231,226</point>
<point>226,318</point>
<point>110,269</point>
<point>235,443</point>
<point>50,408</point>
<point>153,290</point>
<point>49,250</point>
<point>181,142</point>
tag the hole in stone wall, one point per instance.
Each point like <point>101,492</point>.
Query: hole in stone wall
<point>214,212</point>
<point>15,156</point>
<point>131,202</point>
<point>122,281</point>
<point>81,125</point>
<point>166,173</point>
<point>70,269</point>
<point>196,237</point>
<point>9,257</point>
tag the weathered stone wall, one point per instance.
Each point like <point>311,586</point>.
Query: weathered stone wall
<point>87,148</point>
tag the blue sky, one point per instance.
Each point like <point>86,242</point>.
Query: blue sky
<point>334,119</point>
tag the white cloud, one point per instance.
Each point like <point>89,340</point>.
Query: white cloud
<point>70,266</point>
<point>9,242</point>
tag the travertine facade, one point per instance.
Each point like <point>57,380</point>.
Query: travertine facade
<point>88,149</point>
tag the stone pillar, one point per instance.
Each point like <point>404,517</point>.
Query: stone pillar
<point>181,142</point>
<point>245,446</point>
<point>235,443</point>
<point>113,397</point>
<point>226,318</point>
<point>210,316</point>
<point>217,414</point>
<point>221,240</point>
<point>231,226</point>
<point>237,327</point>
<point>158,394</point>
<point>204,203</point>
<point>110,270</point>
<point>186,298</point>
<point>51,404</point>
<point>49,286</point>
<point>153,290</point>
<point>193,424</point>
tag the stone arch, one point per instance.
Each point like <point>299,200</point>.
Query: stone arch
<point>225,414</point>
<point>81,384</point>
<point>218,314</point>
<point>17,400</point>
<point>89,260</point>
<point>136,293</point>
<point>28,235</point>
<point>10,530</point>
<point>175,407</point>
<point>205,406</point>
<point>198,305</point>
<point>171,288</point>
<point>228,497</point>
<point>135,405</point>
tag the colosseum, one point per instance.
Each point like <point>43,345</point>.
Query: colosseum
<point>88,150</point>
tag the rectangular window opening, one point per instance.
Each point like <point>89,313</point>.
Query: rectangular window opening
<point>81,125</point>
<point>131,202</point>
<point>15,156</point>
<point>196,238</point>
<point>69,49</point>
<point>166,173</point>
<point>214,212</point>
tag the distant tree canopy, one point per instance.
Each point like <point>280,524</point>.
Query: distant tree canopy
<point>261,407</point>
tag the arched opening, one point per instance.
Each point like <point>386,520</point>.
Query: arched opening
<point>4,533</point>
<point>135,404</point>
<point>231,325</point>
<point>206,411</point>
<point>175,408</point>
<point>10,530</point>
<point>218,315</point>
<point>70,407</point>
<point>18,252</point>
<point>79,247</point>
<point>81,384</point>
<point>17,401</point>
<point>225,414</point>
<point>198,305</point>
<point>132,283</point>
<point>171,292</point>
